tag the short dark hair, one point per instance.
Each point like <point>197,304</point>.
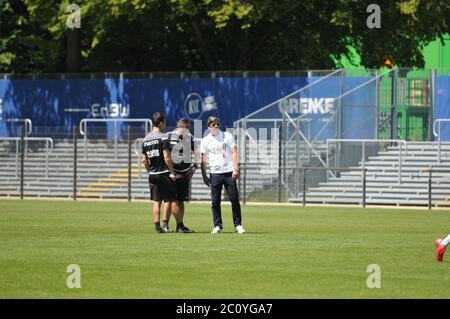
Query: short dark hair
<point>213,119</point>
<point>183,122</point>
<point>158,118</point>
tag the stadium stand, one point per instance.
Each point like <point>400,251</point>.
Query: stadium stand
<point>102,175</point>
<point>382,186</point>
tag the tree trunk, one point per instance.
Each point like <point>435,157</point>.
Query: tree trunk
<point>73,51</point>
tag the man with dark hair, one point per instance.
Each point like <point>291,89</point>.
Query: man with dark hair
<point>161,175</point>
<point>180,143</point>
<point>219,150</point>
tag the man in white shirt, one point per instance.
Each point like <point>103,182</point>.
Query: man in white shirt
<point>219,150</point>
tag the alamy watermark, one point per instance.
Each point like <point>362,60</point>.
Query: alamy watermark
<point>74,279</point>
<point>74,19</point>
<point>374,19</point>
<point>374,279</point>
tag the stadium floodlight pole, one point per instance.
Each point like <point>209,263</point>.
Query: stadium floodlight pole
<point>75,154</point>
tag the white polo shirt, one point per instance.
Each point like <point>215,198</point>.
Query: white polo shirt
<point>218,152</point>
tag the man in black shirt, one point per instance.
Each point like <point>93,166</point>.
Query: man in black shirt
<point>180,143</point>
<point>161,175</point>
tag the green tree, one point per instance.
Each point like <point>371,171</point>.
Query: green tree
<point>183,35</point>
<point>24,45</point>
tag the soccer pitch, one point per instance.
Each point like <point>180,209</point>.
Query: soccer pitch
<point>287,252</point>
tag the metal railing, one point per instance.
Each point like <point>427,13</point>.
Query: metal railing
<point>83,129</point>
<point>438,135</point>
<point>27,122</point>
<point>137,150</point>
<point>28,128</point>
<point>363,156</point>
<point>48,148</point>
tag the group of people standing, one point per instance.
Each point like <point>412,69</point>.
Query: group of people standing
<point>170,162</point>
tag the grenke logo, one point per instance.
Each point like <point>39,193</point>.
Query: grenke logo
<point>112,110</point>
<point>307,105</point>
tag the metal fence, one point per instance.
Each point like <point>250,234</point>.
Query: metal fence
<point>282,155</point>
<point>395,105</point>
<point>275,190</point>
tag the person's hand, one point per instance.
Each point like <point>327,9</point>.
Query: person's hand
<point>235,175</point>
<point>206,181</point>
<point>173,177</point>
<point>191,172</point>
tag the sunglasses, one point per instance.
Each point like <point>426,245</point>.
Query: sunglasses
<point>213,125</point>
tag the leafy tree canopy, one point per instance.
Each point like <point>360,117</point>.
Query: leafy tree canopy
<point>183,35</point>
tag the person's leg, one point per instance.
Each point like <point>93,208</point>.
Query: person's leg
<point>182,191</point>
<point>446,241</point>
<point>441,247</point>
<point>155,198</point>
<point>176,212</point>
<point>216,193</point>
<point>233,194</point>
<point>182,196</point>
<point>166,215</point>
<point>181,209</point>
<point>156,209</point>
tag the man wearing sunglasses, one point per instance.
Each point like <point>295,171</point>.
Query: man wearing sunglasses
<point>220,152</point>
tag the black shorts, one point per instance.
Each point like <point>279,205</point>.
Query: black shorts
<point>182,187</point>
<point>162,187</point>
<point>154,192</point>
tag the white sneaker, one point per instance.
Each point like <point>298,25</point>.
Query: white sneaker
<point>240,229</point>
<point>216,230</point>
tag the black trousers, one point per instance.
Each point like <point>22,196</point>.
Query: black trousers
<point>217,182</point>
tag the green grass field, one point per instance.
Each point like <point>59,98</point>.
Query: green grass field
<point>287,252</point>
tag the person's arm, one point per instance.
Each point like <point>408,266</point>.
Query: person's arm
<point>194,156</point>
<point>144,160</point>
<point>203,158</point>
<point>203,165</point>
<point>168,158</point>
<point>234,157</point>
<point>169,163</point>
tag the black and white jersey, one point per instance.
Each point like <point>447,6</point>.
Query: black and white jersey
<point>152,147</point>
<point>181,149</point>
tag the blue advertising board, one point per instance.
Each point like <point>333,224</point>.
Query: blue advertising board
<point>54,106</point>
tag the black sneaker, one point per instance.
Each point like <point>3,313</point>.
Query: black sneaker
<point>184,229</point>
<point>159,230</point>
